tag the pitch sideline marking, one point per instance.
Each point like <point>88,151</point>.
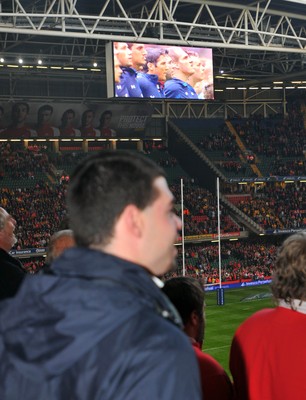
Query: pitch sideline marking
<point>216,348</point>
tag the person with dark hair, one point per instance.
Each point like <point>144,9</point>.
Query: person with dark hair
<point>99,327</point>
<point>128,85</point>
<point>154,73</point>
<point>268,349</point>
<point>105,122</point>
<point>11,271</point>
<point>67,128</point>
<point>59,241</point>
<point>19,127</point>
<point>44,126</point>
<point>139,54</point>
<point>187,296</point>
<point>178,87</point>
<point>87,129</point>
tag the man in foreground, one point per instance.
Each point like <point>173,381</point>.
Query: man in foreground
<point>188,297</point>
<point>99,327</point>
<point>268,351</point>
<point>11,271</point>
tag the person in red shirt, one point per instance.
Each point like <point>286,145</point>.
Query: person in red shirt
<point>67,128</point>
<point>19,127</point>
<point>187,296</point>
<point>44,126</point>
<point>268,350</point>
<point>105,122</point>
<point>87,129</point>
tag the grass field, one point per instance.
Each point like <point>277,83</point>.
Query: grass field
<point>222,321</point>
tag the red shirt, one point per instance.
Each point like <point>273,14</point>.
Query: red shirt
<point>268,356</point>
<point>216,384</point>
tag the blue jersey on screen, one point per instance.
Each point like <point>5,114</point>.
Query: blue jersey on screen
<point>177,89</point>
<point>121,91</point>
<point>150,86</point>
<point>129,86</point>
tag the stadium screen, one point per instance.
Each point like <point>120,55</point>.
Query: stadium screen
<point>160,71</point>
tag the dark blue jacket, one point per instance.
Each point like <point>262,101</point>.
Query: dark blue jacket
<point>177,89</point>
<point>120,90</point>
<point>95,329</point>
<point>150,86</point>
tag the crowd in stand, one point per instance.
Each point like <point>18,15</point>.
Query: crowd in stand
<point>274,137</point>
<point>277,205</point>
<point>200,211</point>
<point>33,265</point>
<point>233,166</point>
<point>40,210</point>
<point>18,163</point>
<point>289,168</point>
<point>241,260</point>
<point>222,141</point>
<point>66,159</point>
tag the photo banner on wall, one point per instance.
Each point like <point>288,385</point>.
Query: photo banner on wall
<point>25,120</point>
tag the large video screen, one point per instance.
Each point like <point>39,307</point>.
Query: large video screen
<point>160,71</point>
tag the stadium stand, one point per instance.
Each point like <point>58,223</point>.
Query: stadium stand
<point>34,179</point>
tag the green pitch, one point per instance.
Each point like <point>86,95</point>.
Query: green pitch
<point>222,321</point>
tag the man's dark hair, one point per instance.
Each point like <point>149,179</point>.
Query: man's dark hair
<point>153,54</point>
<point>42,109</point>
<point>65,115</point>
<point>187,296</point>
<point>103,116</point>
<point>289,277</point>
<point>17,105</point>
<point>84,116</point>
<point>45,107</point>
<point>100,189</point>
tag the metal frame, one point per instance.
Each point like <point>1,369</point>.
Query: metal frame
<point>259,41</point>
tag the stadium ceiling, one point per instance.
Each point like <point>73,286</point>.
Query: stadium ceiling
<point>258,41</point>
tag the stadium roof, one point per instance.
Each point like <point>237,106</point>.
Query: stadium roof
<point>258,41</point>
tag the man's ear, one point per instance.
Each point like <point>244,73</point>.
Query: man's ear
<point>192,325</point>
<point>133,220</point>
<point>150,66</point>
<point>194,318</point>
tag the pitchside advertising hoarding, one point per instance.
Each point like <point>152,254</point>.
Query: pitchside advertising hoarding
<point>26,120</point>
<point>238,284</point>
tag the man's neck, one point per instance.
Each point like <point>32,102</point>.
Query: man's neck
<point>180,75</point>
